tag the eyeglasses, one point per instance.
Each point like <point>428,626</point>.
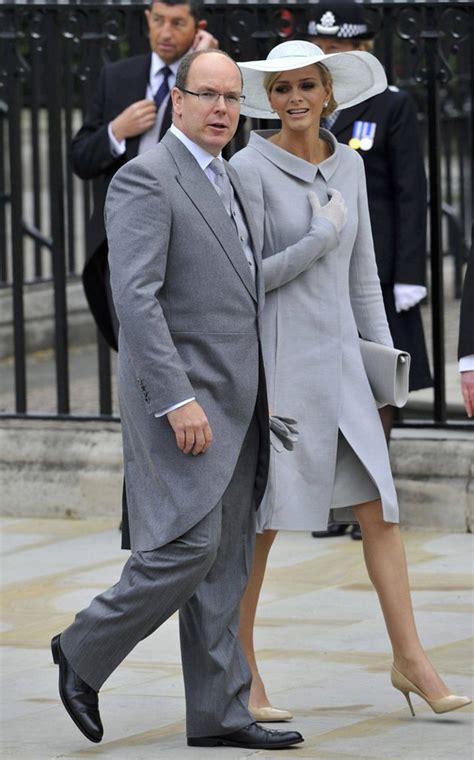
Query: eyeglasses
<point>208,97</point>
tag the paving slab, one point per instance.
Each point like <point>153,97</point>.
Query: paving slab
<point>321,642</point>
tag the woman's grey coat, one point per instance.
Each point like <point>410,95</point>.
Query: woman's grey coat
<point>321,291</point>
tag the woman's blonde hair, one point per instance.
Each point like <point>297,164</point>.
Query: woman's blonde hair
<point>326,79</point>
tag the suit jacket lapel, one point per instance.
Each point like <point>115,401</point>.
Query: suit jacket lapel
<point>166,123</point>
<point>200,191</point>
<point>136,86</point>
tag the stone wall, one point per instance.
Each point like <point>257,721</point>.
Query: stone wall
<point>74,470</point>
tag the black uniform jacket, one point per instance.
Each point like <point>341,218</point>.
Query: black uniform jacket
<point>396,183</point>
<point>120,84</point>
<point>466,325</point>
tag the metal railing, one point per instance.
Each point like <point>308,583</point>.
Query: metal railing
<point>50,57</point>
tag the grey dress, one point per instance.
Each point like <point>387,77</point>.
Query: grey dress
<point>321,291</point>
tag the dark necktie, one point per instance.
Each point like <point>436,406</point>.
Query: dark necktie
<point>164,88</point>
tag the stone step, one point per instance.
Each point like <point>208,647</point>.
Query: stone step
<point>74,469</point>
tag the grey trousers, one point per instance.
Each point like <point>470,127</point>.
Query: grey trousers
<point>203,574</point>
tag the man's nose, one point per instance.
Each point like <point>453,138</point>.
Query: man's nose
<point>221,103</point>
<point>166,29</point>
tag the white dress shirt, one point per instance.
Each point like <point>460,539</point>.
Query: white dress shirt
<point>466,363</point>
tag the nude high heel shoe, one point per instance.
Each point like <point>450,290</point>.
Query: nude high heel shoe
<point>269,714</point>
<point>442,705</point>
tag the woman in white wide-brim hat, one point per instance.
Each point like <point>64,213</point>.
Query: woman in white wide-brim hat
<point>309,198</point>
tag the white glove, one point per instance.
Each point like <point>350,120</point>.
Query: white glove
<point>334,211</point>
<point>407,296</point>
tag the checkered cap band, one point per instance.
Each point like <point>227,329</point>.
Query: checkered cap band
<point>352,30</point>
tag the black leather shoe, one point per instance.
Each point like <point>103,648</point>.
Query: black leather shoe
<point>79,699</point>
<point>250,737</point>
<point>356,533</point>
<point>334,529</point>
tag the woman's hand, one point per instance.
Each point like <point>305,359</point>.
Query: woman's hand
<point>334,211</point>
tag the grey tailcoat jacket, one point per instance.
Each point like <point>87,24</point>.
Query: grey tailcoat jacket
<point>189,315</point>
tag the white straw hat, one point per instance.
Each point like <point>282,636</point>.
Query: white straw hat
<point>356,75</point>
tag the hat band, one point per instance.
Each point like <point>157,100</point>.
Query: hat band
<point>344,30</point>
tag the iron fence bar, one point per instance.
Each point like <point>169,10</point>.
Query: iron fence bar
<point>47,417</point>
<point>16,208</point>
<point>461,425</point>
<point>387,58</point>
<point>462,141</point>
<point>36,161</point>
<point>105,376</point>
<point>431,40</point>
<point>56,191</point>
<point>4,197</point>
<point>448,138</point>
<point>39,238</point>
<point>68,132</point>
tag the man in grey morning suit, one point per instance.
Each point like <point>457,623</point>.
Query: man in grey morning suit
<point>188,292</point>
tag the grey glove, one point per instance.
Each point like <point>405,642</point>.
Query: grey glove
<point>283,433</point>
<point>334,211</point>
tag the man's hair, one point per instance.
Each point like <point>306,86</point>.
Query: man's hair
<point>183,69</point>
<point>195,6</point>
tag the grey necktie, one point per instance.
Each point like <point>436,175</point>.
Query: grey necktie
<point>222,183</point>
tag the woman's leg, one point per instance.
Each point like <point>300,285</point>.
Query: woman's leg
<point>386,564</point>
<point>248,609</point>
<point>387,414</point>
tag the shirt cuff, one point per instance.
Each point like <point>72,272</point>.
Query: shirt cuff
<point>466,363</point>
<point>176,406</point>
<point>117,148</point>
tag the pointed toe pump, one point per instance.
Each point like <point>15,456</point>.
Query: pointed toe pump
<point>441,705</point>
<point>269,714</point>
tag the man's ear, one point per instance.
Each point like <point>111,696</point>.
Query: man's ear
<point>177,100</point>
<point>147,16</point>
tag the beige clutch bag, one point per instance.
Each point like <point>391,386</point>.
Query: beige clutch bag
<point>387,370</point>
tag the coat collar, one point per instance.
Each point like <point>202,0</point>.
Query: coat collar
<point>199,189</point>
<point>292,164</point>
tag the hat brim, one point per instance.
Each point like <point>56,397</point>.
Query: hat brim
<point>356,76</point>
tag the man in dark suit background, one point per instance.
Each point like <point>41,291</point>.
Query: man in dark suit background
<point>384,131</point>
<point>130,113</point>
<point>466,337</point>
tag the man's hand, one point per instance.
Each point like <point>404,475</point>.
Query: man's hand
<point>204,41</point>
<point>467,387</point>
<point>134,120</point>
<point>191,427</point>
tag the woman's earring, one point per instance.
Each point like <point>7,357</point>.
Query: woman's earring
<point>326,103</point>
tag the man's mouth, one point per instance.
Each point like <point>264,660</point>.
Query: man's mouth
<point>218,125</point>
